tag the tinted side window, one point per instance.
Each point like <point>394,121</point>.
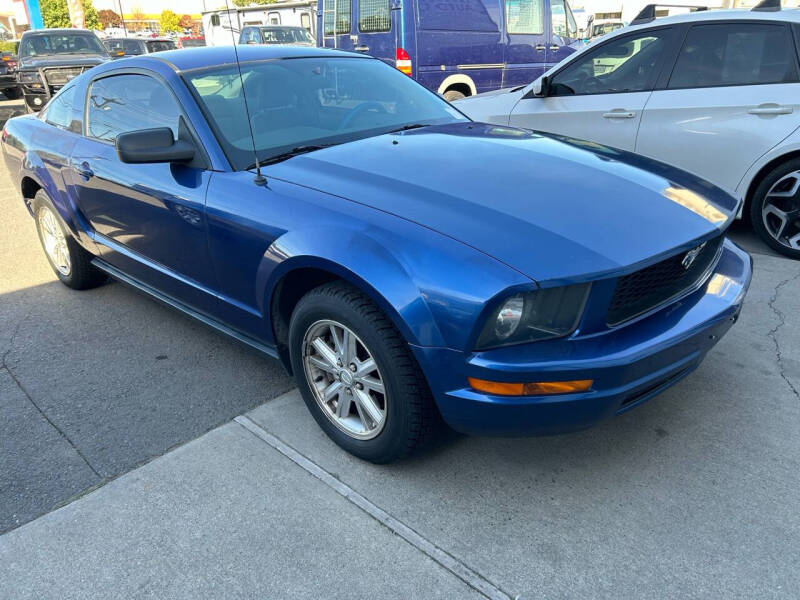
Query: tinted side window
<point>628,64</point>
<point>59,110</point>
<point>132,47</point>
<point>525,16</point>
<point>374,16</point>
<point>735,54</point>
<point>128,103</point>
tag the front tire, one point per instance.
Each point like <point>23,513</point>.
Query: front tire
<point>70,261</point>
<point>357,375</point>
<point>775,209</point>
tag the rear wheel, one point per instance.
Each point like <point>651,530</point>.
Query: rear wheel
<point>775,209</point>
<point>357,375</point>
<point>70,261</point>
<point>452,95</point>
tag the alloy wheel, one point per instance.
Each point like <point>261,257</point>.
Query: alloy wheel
<point>344,379</point>
<point>780,211</point>
<point>54,241</point>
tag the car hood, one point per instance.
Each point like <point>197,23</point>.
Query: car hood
<point>555,209</point>
<point>62,60</point>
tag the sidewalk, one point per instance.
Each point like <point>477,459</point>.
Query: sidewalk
<point>224,516</point>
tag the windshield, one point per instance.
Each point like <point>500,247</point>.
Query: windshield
<point>61,43</point>
<point>311,102</point>
<point>286,35</point>
<point>160,45</point>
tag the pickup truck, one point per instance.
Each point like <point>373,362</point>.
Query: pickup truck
<point>51,58</point>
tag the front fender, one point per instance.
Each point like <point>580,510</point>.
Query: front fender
<point>358,258</point>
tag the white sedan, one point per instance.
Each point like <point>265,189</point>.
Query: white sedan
<point>715,93</point>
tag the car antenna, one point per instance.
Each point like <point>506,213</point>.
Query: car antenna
<point>259,179</point>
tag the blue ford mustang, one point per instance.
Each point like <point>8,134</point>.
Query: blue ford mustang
<point>404,262</point>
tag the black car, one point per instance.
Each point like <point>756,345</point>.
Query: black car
<point>119,47</point>
<point>50,58</point>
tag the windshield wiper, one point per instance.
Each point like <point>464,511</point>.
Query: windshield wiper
<point>289,154</point>
<point>408,127</point>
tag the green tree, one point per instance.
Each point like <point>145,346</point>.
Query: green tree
<point>90,15</point>
<point>56,14</point>
<point>169,21</point>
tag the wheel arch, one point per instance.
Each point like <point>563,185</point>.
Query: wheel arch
<point>400,299</point>
<point>459,82</point>
<point>762,173</point>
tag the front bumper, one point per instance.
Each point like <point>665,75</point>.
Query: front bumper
<point>629,365</point>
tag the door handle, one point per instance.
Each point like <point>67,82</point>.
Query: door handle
<point>554,47</point>
<point>539,47</point>
<point>771,109</point>
<point>619,114</point>
<point>84,171</point>
<point>361,48</point>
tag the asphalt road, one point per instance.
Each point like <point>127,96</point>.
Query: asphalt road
<point>695,493</point>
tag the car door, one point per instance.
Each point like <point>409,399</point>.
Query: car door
<point>527,40</point>
<point>599,96</point>
<point>733,94</point>
<point>149,219</point>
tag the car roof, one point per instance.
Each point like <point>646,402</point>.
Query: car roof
<point>32,32</point>
<point>209,56</point>
<point>786,14</point>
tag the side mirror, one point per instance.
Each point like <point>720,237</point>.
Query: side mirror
<point>153,146</point>
<point>541,87</point>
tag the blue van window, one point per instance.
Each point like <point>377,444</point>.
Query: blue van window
<point>341,8</point>
<point>524,16</point>
<point>374,16</point>
<point>456,15</point>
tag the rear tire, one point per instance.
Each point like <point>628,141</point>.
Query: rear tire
<point>405,416</point>
<point>453,95</point>
<point>68,259</point>
<point>775,209</point>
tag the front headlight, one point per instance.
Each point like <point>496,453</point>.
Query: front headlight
<point>29,77</point>
<point>534,316</point>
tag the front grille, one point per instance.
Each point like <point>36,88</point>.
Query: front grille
<point>62,75</point>
<point>652,286</point>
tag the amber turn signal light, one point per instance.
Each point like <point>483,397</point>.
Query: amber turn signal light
<point>538,388</point>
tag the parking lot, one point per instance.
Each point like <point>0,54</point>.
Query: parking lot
<point>124,473</point>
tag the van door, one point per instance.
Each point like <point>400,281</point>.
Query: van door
<point>338,29</point>
<point>526,47</point>
<point>563,32</point>
<point>460,42</point>
<point>373,28</point>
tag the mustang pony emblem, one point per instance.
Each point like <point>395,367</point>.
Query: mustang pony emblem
<point>691,256</point>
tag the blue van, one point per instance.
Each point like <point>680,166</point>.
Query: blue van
<point>457,48</point>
